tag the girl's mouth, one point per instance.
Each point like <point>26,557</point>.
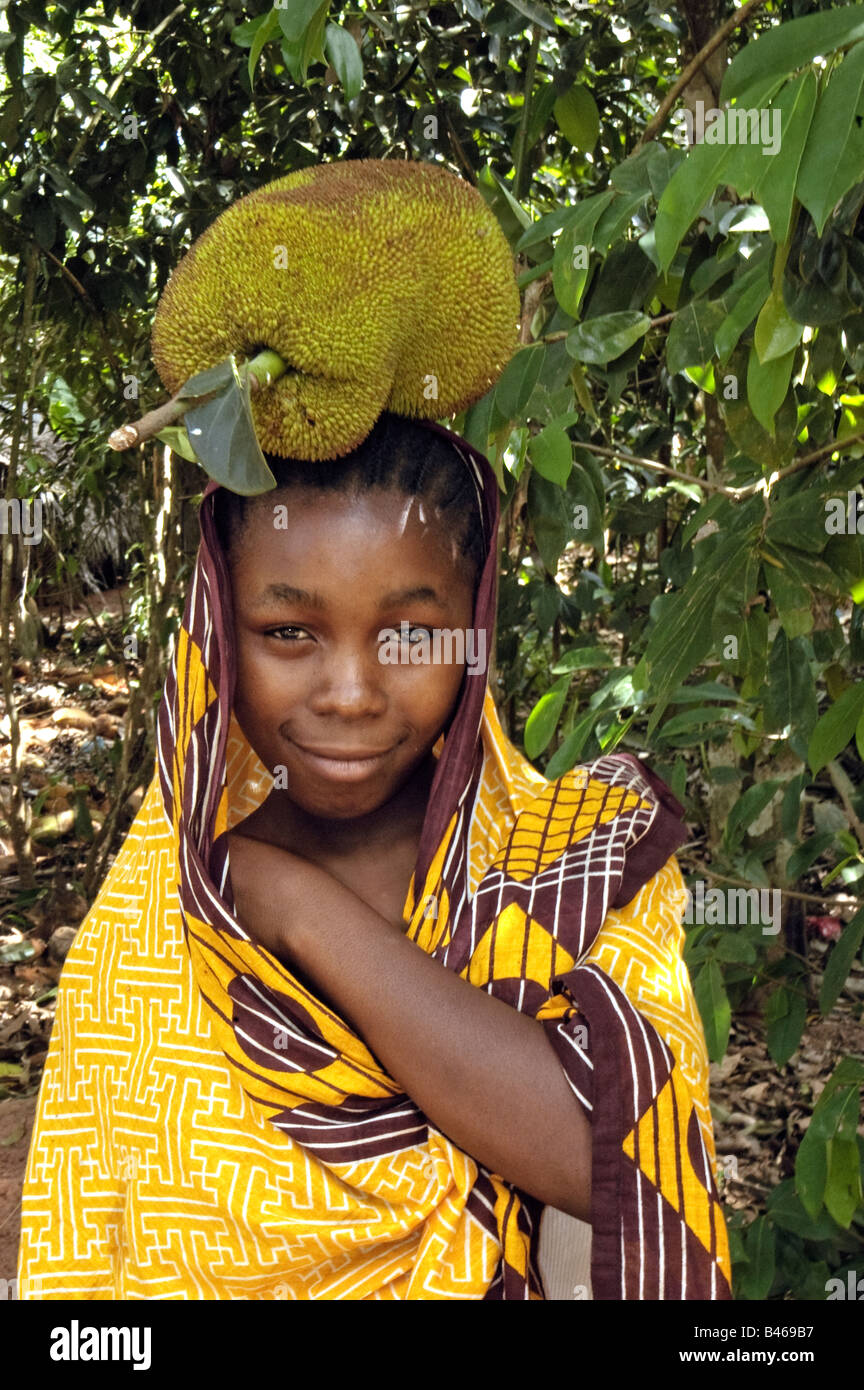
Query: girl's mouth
<point>342,764</point>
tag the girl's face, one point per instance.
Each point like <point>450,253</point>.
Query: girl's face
<point>314,583</point>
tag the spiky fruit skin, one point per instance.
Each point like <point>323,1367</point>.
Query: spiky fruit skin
<point>378,282</point>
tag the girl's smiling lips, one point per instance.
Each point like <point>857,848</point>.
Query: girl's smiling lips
<point>343,764</point>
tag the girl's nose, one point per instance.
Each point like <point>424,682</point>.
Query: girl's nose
<point>349,684</point>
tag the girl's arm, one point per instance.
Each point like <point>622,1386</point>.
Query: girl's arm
<point>483,1073</point>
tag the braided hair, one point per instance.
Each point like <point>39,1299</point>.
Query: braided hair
<point>398,455</point>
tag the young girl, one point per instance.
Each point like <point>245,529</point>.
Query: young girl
<point>363,994</point>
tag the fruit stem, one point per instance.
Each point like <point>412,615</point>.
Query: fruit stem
<point>263,369</point>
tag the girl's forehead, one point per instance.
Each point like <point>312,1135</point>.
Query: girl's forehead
<point>383,515</point>
<point>300,498</point>
<point>302,518</point>
<point>376,541</point>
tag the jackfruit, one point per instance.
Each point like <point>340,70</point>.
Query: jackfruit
<point>384,285</point>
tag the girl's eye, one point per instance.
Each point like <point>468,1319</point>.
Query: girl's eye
<point>418,635</point>
<point>288,632</point>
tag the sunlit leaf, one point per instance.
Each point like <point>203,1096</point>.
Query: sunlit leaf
<point>776,333</point>
<point>551,453</point>
<point>823,178</point>
<point>583,658</point>
<point>775,189</point>
<point>344,54</point>
<point>791,45</point>
<point>570,751</point>
<point>578,118</point>
<point>767,384</point>
<point>543,719</point>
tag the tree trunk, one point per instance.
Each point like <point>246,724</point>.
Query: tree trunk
<point>14,806</point>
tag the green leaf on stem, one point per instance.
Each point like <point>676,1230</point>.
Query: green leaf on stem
<point>344,54</point>
<point>222,433</point>
<point>835,729</point>
<point>767,384</point>
<point>578,118</point>
<point>785,1017</point>
<point>791,45</point>
<point>543,719</point>
<point>603,339</point>
<point>713,1003</point>
<point>551,453</point>
<point>833,158</point>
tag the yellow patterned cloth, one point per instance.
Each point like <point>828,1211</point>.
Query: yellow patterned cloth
<point>209,1129</point>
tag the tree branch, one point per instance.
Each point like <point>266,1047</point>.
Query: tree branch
<point>266,367</point>
<point>657,467</point>
<point>839,900</point>
<point>835,446</point>
<point>657,122</point>
<point>736,493</point>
